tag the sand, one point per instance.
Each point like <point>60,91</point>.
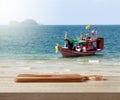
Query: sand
<point>91,90</point>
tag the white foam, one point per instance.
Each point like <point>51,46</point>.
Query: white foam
<point>93,61</point>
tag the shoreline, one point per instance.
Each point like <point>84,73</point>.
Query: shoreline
<point>11,69</point>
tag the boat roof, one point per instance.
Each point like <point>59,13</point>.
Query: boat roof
<point>75,41</point>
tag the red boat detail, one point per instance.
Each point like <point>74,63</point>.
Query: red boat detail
<point>67,52</point>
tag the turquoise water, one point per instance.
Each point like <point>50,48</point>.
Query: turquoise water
<point>35,46</point>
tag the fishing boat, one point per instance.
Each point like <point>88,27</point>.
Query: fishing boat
<point>82,46</point>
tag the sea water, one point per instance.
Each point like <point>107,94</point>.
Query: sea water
<point>31,49</point>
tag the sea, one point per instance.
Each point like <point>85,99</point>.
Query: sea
<point>31,49</point>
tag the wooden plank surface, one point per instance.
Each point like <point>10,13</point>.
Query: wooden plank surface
<point>89,90</point>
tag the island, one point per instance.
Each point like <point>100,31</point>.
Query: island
<point>27,22</point>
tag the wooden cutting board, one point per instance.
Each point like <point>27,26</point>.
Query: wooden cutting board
<point>55,78</point>
<point>50,78</point>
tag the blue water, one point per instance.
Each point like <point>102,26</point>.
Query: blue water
<point>38,42</point>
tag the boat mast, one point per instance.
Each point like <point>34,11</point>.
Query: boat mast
<point>81,35</point>
<point>65,44</point>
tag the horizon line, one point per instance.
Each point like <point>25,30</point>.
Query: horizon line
<point>40,24</point>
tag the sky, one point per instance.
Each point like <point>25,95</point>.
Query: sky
<point>61,12</point>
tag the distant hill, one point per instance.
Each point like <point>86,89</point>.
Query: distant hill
<point>14,23</point>
<point>28,22</point>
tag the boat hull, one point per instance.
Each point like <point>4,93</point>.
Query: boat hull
<point>66,52</point>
